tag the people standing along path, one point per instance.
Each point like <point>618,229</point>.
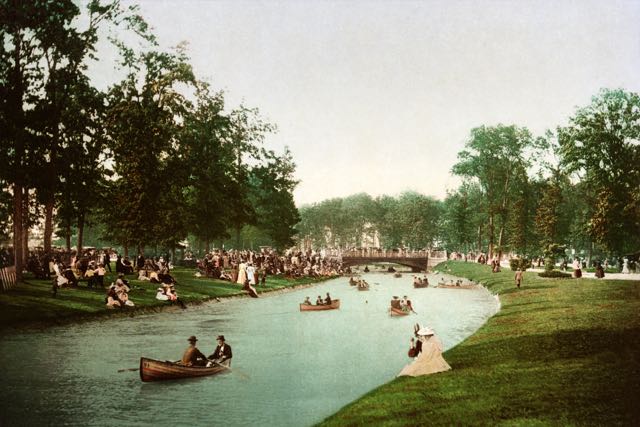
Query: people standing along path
<point>577,269</point>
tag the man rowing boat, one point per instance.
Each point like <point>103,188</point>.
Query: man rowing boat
<point>192,356</point>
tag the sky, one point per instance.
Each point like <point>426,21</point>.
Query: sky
<point>380,96</point>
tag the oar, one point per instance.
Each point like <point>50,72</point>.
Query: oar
<point>242,374</point>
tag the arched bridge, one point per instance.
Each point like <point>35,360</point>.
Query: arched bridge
<point>416,260</point>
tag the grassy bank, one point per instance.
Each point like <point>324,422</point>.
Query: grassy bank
<point>560,352</point>
<point>31,303</point>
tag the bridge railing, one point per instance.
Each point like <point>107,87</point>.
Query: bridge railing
<point>375,253</point>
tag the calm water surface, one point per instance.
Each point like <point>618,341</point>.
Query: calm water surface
<point>290,368</point>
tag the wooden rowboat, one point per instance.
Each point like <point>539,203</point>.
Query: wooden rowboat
<point>397,312</point>
<point>457,287</point>
<point>416,285</point>
<point>334,305</point>
<point>363,288</point>
<point>156,370</point>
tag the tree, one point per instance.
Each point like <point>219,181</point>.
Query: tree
<point>143,122</point>
<point>600,146</point>
<point>495,157</point>
<point>209,161</point>
<point>272,187</point>
<point>459,218</point>
<point>247,132</point>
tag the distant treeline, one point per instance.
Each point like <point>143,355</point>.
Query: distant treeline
<point>576,188</point>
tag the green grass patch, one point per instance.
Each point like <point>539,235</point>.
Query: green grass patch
<point>559,352</point>
<point>32,302</point>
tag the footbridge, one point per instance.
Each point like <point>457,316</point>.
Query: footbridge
<point>416,260</point>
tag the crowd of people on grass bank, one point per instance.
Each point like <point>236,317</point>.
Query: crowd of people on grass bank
<point>626,265</point>
<point>254,266</point>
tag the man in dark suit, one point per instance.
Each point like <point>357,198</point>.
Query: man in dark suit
<point>106,260</point>
<point>222,354</point>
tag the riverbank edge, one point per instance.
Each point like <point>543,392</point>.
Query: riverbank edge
<point>40,325</point>
<point>393,403</point>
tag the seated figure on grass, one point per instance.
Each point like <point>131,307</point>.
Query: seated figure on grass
<point>428,360</point>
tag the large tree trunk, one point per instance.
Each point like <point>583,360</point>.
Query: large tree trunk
<point>25,225</point>
<point>67,236</point>
<point>48,225</point>
<point>207,246</point>
<point>17,230</point>
<point>500,242</point>
<point>491,237</point>
<point>80,233</point>
<point>480,237</point>
<point>126,250</point>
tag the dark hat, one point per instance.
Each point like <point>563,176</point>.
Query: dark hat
<point>192,338</point>
<point>220,337</point>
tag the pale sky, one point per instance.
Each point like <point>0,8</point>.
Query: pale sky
<point>379,96</point>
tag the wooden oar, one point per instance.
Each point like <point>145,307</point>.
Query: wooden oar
<point>242,374</point>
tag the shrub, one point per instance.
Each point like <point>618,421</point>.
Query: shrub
<point>555,274</point>
<point>516,263</point>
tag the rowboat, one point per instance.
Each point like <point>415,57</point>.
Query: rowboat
<point>363,288</point>
<point>334,305</point>
<point>156,370</point>
<point>397,312</point>
<point>457,287</point>
<point>418,285</point>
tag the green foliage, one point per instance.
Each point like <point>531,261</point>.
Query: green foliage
<point>519,263</point>
<point>600,146</point>
<point>410,220</point>
<point>497,158</point>
<point>272,187</point>
<point>554,274</point>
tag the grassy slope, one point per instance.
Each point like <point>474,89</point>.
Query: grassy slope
<point>31,302</point>
<point>560,352</point>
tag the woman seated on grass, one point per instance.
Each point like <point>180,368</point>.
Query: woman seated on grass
<point>122,291</point>
<point>429,360</point>
<point>112,298</point>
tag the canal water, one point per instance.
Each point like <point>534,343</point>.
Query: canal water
<point>290,368</point>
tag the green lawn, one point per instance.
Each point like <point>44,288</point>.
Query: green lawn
<point>559,352</point>
<point>31,302</point>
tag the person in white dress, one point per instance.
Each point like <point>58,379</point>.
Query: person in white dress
<point>251,274</point>
<point>429,360</point>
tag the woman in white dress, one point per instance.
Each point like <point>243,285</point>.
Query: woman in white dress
<point>429,360</point>
<point>242,273</point>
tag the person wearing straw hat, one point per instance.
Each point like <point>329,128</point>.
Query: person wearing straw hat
<point>429,360</point>
<point>192,356</point>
